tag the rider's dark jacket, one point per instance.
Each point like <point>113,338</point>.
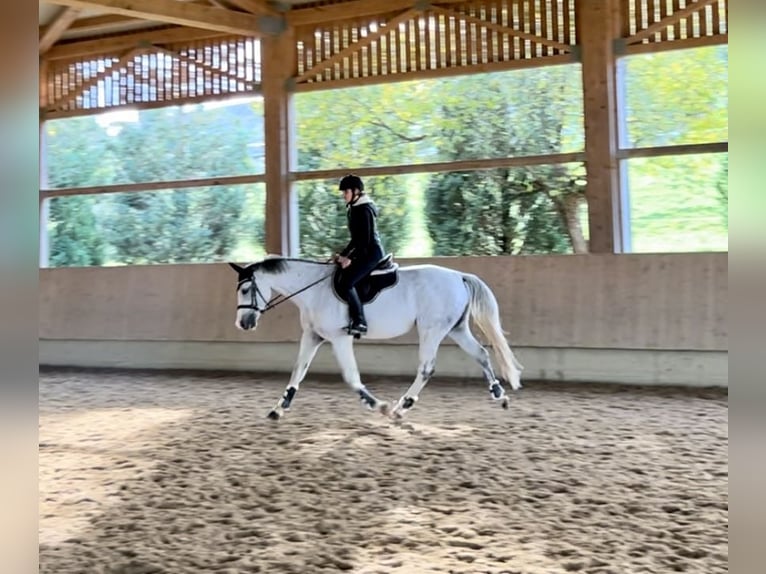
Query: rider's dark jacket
<point>365,245</point>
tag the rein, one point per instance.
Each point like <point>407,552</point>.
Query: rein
<point>278,300</point>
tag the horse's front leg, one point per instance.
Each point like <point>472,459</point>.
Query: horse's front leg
<point>429,345</point>
<point>343,348</point>
<point>310,343</point>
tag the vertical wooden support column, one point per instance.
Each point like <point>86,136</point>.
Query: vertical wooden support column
<point>43,204</point>
<point>43,166</point>
<point>278,60</point>
<point>597,28</point>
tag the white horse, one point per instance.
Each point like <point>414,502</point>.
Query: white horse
<point>439,301</point>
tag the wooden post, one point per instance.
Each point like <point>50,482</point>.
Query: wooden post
<point>597,28</point>
<point>279,67</point>
<point>43,204</point>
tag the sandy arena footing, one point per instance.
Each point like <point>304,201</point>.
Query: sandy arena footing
<point>177,473</point>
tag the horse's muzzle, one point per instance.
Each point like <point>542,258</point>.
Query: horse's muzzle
<point>247,321</point>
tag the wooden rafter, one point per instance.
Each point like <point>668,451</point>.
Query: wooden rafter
<point>101,23</point>
<point>253,6</point>
<point>126,41</point>
<point>173,12</point>
<point>669,21</point>
<point>53,31</point>
<point>366,41</point>
<point>503,29</point>
<point>84,87</point>
<point>356,9</point>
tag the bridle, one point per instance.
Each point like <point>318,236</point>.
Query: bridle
<point>255,293</point>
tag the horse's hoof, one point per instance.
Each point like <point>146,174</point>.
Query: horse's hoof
<point>506,403</point>
<point>273,415</point>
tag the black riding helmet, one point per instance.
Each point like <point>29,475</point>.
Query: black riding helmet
<point>351,182</point>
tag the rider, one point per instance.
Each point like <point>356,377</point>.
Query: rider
<point>363,252</point>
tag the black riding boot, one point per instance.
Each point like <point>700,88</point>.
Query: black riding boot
<point>358,324</point>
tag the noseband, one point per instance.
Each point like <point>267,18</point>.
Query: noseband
<point>254,294</point>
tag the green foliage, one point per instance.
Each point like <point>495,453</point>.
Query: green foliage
<point>521,210</point>
<point>201,224</point>
<point>676,202</point>
<point>323,227</point>
<point>677,97</point>
<point>74,238</point>
<point>349,129</point>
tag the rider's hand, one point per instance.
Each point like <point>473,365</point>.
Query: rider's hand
<point>343,261</point>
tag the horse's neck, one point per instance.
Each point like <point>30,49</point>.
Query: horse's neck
<point>297,276</point>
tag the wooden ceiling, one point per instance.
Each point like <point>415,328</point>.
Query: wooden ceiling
<point>65,24</point>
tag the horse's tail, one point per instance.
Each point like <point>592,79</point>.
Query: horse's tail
<point>483,308</point>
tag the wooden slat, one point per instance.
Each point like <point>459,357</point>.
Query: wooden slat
<point>665,22</point>
<point>173,12</point>
<point>81,87</point>
<point>380,51</point>
<point>716,18</point>
<point>665,12</point>
<point>544,31</point>
<point>568,22</point>
<point>53,31</point>
<point>415,39</point>
<point>503,30</point>
<point>349,10</point>
<point>205,66</point>
<point>354,48</point>
<point>703,16</point>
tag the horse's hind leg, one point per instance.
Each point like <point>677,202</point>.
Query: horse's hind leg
<point>343,348</point>
<point>465,339</point>
<point>429,345</point>
<point>310,343</point>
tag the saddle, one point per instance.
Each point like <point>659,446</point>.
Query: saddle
<point>384,275</point>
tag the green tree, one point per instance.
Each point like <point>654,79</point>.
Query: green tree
<point>349,129</point>
<point>199,224</point>
<point>678,97</point>
<point>518,210</point>
<point>74,234</point>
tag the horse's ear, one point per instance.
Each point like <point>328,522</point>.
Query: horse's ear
<point>236,267</point>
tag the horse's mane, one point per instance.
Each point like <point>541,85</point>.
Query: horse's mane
<point>274,264</point>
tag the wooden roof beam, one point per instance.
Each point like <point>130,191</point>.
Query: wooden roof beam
<point>72,50</point>
<point>53,31</point>
<point>253,6</point>
<point>183,14</point>
<point>101,23</point>
<point>357,9</point>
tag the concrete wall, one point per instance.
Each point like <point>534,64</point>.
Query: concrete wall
<point>631,318</point>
